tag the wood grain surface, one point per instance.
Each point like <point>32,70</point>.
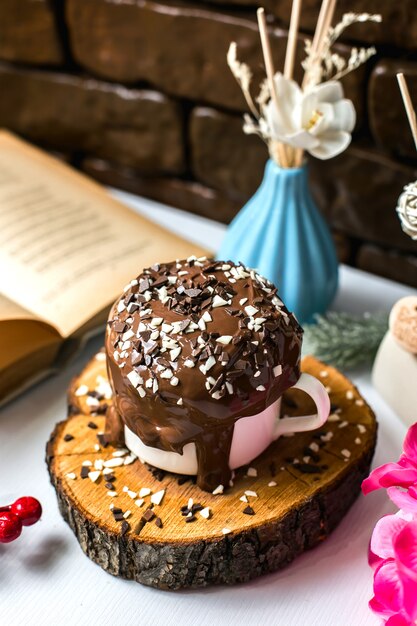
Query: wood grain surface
<point>304,484</point>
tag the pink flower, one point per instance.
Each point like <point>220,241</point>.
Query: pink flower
<point>394,553</point>
<point>405,500</point>
<point>401,474</point>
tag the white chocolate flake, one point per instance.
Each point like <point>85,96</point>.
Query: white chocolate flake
<point>206,512</point>
<point>277,370</point>
<point>218,301</point>
<point>251,310</point>
<point>82,389</point>
<point>157,497</point>
<point>94,476</point>
<point>207,317</point>
<point>120,453</point>
<point>224,339</point>
<point>134,378</point>
<point>117,462</point>
<point>174,353</point>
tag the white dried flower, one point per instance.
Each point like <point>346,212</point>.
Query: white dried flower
<point>319,120</point>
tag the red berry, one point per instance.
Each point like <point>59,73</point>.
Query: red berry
<point>10,527</point>
<point>27,509</point>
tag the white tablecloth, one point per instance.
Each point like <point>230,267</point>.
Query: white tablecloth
<point>45,579</point>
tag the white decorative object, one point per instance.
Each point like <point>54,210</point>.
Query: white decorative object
<point>407,202</point>
<point>395,369</point>
<point>407,210</point>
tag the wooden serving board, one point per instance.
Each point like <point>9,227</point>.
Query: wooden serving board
<point>301,487</point>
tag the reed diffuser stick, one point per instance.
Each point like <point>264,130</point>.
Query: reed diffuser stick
<point>411,114</point>
<point>292,39</point>
<point>323,24</point>
<point>269,67</point>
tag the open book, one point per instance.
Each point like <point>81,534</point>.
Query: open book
<point>67,249</point>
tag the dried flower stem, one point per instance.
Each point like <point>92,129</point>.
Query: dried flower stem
<point>243,77</point>
<point>411,114</point>
<point>269,66</point>
<point>329,65</point>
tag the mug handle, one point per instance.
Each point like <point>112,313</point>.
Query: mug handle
<point>318,393</point>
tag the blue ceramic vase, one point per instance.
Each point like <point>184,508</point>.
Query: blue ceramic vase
<point>281,233</point>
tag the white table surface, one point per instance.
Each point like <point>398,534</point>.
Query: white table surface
<point>46,579</point>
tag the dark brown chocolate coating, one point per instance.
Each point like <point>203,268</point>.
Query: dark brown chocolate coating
<point>192,346</point>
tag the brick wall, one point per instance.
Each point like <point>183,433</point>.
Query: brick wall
<point>139,95</point>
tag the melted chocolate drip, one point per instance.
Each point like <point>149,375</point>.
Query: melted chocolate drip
<point>114,426</point>
<point>193,346</point>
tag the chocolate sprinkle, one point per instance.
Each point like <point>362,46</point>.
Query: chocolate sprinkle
<point>248,510</point>
<point>84,471</point>
<point>307,468</point>
<point>125,528</point>
<point>158,522</point>
<point>148,515</point>
<point>92,425</point>
<point>68,437</point>
<point>309,452</point>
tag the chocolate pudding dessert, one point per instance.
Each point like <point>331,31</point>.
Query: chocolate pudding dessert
<point>193,346</point>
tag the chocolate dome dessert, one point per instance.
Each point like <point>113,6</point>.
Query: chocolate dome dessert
<point>193,346</point>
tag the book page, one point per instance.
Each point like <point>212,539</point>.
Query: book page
<point>67,248</point>
<point>9,310</point>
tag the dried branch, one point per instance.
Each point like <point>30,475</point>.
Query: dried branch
<point>330,65</point>
<point>243,76</point>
